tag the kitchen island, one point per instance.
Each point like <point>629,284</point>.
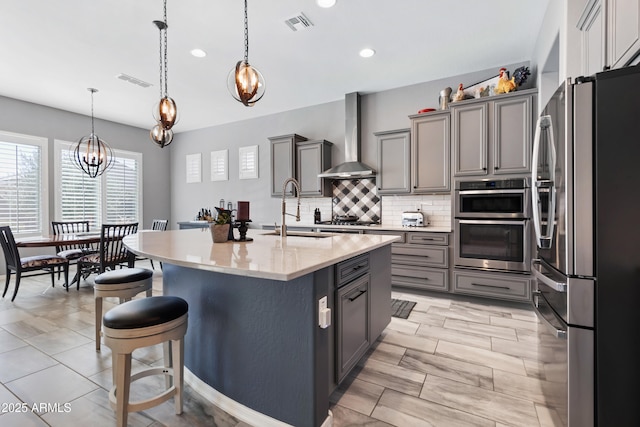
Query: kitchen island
<point>254,345</point>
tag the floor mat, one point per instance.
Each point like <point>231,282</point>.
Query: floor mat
<point>401,308</point>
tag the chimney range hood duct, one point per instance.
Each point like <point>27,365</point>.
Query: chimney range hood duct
<point>352,167</point>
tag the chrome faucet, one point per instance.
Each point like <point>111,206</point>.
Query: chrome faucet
<point>296,184</point>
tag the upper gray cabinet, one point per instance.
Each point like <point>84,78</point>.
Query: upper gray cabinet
<point>493,136</point>
<point>393,161</point>
<point>610,34</point>
<point>283,166</point>
<point>623,31</point>
<point>592,25</point>
<point>294,156</point>
<point>431,152</point>
<point>313,158</point>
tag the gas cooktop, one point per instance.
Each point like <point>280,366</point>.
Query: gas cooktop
<point>345,222</point>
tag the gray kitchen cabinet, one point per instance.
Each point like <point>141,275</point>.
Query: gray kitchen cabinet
<point>592,27</point>
<point>283,152</point>
<point>503,286</point>
<point>610,34</point>
<point>493,136</point>
<point>294,156</point>
<point>353,313</point>
<point>431,152</point>
<point>313,158</point>
<point>420,260</point>
<point>393,161</point>
<point>623,31</point>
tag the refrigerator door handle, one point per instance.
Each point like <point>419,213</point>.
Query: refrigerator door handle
<point>544,124</point>
<point>536,270</point>
<point>548,317</point>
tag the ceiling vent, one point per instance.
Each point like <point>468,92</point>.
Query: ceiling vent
<point>130,79</point>
<point>299,22</point>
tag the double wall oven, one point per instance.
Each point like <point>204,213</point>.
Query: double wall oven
<point>492,224</point>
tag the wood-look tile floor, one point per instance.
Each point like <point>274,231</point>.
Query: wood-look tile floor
<point>453,362</point>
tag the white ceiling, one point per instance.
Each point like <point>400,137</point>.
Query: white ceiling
<point>52,51</point>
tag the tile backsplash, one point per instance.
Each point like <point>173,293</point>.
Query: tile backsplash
<point>437,208</point>
<point>356,197</point>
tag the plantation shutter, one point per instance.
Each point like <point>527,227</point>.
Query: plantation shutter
<point>122,191</point>
<point>79,194</point>
<point>20,187</point>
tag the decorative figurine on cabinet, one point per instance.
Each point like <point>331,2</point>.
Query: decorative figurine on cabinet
<point>505,85</point>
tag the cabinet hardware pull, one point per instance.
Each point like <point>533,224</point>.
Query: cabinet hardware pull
<point>358,267</point>
<point>491,286</point>
<point>427,238</point>
<point>360,293</point>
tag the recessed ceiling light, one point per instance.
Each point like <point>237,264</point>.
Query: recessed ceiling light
<point>326,3</point>
<point>367,52</point>
<point>198,53</point>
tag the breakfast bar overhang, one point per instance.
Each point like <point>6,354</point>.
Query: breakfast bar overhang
<point>254,343</point>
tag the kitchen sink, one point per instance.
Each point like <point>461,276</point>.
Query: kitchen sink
<point>315,234</point>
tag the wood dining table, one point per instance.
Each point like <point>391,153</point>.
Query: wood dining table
<point>59,240</point>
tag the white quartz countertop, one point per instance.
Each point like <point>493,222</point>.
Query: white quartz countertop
<point>267,256</point>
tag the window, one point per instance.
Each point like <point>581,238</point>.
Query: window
<point>114,197</point>
<point>23,190</point>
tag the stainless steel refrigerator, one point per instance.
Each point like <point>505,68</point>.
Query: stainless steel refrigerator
<point>586,215</point>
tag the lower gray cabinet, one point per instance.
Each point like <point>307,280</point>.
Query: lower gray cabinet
<point>504,286</point>
<point>353,336</point>
<point>420,260</point>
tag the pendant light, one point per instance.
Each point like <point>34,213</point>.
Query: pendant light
<point>245,82</point>
<point>165,112</point>
<point>91,154</point>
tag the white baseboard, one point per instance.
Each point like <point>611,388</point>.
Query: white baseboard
<point>236,409</point>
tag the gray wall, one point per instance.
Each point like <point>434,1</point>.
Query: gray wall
<point>37,120</point>
<point>33,119</point>
<point>380,111</point>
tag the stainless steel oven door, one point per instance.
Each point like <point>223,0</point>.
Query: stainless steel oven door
<point>493,244</point>
<point>507,203</point>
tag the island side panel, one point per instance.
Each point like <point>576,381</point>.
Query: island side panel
<point>380,264</point>
<point>257,341</point>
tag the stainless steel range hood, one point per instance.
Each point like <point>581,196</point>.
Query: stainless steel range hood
<point>352,166</point>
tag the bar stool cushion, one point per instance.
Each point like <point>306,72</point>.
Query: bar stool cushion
<point>123,275</point>
<point>145,312</point>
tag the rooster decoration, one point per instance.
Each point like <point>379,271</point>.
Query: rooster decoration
<point>459,95</point>
<point>505,84</point>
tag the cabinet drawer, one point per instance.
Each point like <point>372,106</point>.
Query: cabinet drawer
<point>429,256</point>
<point>351,269</point>
<point>401,234</point>
<point>420,277</point>
<point>493,285</point>
<point>427,238</point>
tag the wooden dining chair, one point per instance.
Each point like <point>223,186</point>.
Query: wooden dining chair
<point>72,252</point>
<point>14,263</point>
<point>111,252</point>
<point>156,225</point>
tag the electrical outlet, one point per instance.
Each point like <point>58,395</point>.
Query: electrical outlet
<point>324,313</point>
